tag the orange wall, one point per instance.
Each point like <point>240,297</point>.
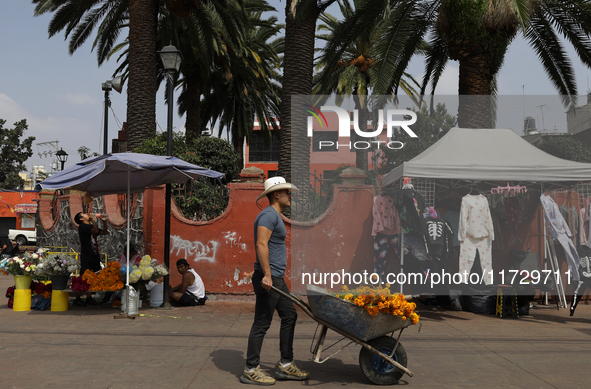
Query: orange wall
<point>222,250</point>
<point>9,199</point>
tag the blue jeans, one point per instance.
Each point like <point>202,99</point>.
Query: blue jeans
<point>266,304</point>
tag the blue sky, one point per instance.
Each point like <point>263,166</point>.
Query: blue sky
<point>61,97</point>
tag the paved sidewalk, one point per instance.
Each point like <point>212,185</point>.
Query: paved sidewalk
<point>204,347</point>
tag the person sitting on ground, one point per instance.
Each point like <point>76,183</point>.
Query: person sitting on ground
<point>191,290</point>
<point>5,246</point>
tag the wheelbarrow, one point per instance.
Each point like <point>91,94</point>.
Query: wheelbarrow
<point>382,358</point>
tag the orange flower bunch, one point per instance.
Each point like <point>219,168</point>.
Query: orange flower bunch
<point>375,300</point>
<point>107,279</point>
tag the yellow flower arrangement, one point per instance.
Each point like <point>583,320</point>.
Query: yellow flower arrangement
<point>106,279</point>
<point>375,300</point>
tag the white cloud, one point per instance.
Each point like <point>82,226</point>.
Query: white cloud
<point>69,131</point>
<point>79,99</point>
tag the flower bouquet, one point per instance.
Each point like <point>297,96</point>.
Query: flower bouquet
<point>22,265</point>
<point>380,300</point>
<point>79,285</point>
<point>147,271</point>
<point>57,265</point>
<point>106,279</point>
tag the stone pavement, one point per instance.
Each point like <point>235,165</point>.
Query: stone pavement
<point>204,347</point>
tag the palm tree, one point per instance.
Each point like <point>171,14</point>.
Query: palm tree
<point>476,33</point>
<point>80,17</point>
<point>247,85</point>
<point>201,41</point>
<point>205,38</point>
<point>298,68</point>
<point>351,76</point>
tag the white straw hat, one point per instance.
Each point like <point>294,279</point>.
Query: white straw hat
<point>276,183</point>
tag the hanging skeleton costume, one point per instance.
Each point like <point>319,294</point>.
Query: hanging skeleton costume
<point>439,237</point>
<point>585,277</point>
<point>559,231</point>
<point>476,233</point>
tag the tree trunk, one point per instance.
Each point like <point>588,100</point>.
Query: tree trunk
<point>475,109</point>
<point>297,80</point>
<point>360,153</point>
<point>294,144</point>
<point>141,86</point>
<point>238,143</point>
<point>192,101</point>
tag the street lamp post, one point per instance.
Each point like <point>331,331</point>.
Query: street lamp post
<point>171,60</point>
<point>117,84</point>
<point>62,156</point>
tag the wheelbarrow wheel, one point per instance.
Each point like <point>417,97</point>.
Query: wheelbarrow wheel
<point>376,369</point>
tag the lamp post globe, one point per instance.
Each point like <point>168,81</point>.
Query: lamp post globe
<point>62,156</point>
<point>171,58</point>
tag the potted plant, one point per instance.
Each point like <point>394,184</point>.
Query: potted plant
<point>59,267</point>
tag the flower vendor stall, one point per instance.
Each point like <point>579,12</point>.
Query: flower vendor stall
<point>127,173</point>
<point>53,270</point>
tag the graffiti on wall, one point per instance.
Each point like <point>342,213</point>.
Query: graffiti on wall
<point>234,241</point>
<point>246,278</point>
<point>195,250</point>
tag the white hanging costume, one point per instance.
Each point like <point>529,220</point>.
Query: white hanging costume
<point>475,232</point>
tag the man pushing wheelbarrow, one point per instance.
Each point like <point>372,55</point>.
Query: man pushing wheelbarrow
<point>269,271</point>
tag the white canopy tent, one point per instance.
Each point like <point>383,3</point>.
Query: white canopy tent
<point>488,155</point>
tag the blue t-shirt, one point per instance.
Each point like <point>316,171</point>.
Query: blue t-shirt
<point>271,219</point>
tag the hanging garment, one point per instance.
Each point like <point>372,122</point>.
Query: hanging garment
<point>476,232</point>
<point>559,231</point>
<point>512,211</point>
<point>582,232</point>
<point>385,216</point>
<point>381,246</point>
<point>586,220</point>
<point>439,237</point>
<point>453,217</point>
<point>410,204</point>
<point>385,230</point>
<point>572,220</point>
<point>497,244</point>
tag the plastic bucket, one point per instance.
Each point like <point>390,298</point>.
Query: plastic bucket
<point>23,282</point>
<point>157,295</point>
<point>134,301</point>
<point>22,300</point>
<point>59,282</point>
<point>59,301</point>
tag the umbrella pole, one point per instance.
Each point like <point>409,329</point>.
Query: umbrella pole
<point>126,314</point>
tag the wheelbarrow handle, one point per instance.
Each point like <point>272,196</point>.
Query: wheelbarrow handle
<point>296,300</point>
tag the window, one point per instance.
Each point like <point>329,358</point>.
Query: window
<point>325,136</point>
<point>27,221</point>
<point>329,175</point>
<point>259,152</point>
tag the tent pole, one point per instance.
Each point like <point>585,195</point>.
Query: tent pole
<point>167,211</point>
<point>128,227</point>
<point>401,258</point>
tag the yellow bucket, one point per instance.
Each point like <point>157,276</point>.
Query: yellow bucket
<point>22,300</point>
<point>59,301</point>
<point>23,282</point>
